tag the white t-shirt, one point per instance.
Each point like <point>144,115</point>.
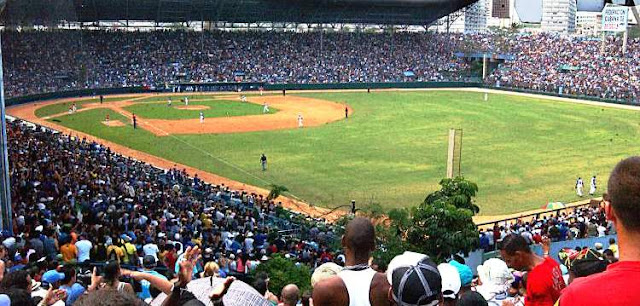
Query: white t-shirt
<point>151,249</point>
<point>84,249</point>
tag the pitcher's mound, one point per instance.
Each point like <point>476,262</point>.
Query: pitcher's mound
<point>113,123</point>
<point>192,107</point>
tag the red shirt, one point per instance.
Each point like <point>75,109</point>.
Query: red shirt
<point>544,283</point>
<point>616,286</point>
<point>170,260</point>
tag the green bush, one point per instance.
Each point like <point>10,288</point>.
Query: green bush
<point>282,272</point>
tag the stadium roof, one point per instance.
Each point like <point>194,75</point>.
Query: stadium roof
<point>401,12</point>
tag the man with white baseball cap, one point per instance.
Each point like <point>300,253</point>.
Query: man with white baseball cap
<point>451,283</point>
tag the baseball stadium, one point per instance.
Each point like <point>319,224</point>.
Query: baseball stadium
<point>252,135</point>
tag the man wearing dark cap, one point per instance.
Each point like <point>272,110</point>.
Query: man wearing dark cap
<point>357,284</point>
<point>615,285</point>
<point>149,264</point>
<point>415,280</point>
<point>544,278</point>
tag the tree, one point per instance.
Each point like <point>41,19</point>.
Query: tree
<point>457,192</point>
<point>282,272</point>
<point>276,191</point>
<point>441,230</point>
<point>389,244</point>
<point>374,211</point>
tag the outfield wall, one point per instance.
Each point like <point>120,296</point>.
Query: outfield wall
<point>254,86</point>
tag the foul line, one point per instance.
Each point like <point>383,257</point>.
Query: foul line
<point>208,154</point>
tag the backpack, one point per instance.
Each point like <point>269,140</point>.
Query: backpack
<point>113,254</point>
<point>132,256</point>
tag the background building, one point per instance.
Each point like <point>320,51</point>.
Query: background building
<point>588,23</point>
<point>559,16</point>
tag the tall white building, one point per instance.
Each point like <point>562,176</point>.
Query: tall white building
<point>474,20</point>
<point>559,16</point>
<point>475,17</point>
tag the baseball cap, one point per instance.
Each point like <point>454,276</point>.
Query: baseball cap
<point>5,300</point>
<point>52,276</point>
<point>324,271</point>
<point>149,261</point>
<point>466,275</point>
<point>450,280</point>
<point>495,271</point>
<point>589,263</point>
<point>414,280</point>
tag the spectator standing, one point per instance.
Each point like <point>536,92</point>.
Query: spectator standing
<point>69,285</point>
<point>170,257</point>
<point>69,251</point>
<point>357,284</point>
<point>84,247</point>
<point>544,277</point>
<point>624,210</point>
<point>150,248</point>
<point>149,264</point>
<point>111,277</point>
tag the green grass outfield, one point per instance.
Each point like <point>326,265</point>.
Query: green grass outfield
<point>522,152</point>
<point>58,108</point>
<point>217,108</point>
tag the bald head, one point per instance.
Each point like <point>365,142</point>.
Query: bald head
<point>360,238</point>
<point>290,295</point>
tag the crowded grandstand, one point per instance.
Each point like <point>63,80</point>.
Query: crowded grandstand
<point>90,226</point>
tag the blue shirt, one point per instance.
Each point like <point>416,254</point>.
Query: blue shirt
<point>73,293</point>
<point>145,294</point>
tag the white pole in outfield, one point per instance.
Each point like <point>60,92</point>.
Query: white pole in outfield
<point>452,144</point>
<point>625,37</point>
<point>5,187</point>
<point>484,66</point>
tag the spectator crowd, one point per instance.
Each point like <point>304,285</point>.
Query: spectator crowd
<point>570,224</point>
<point>572,65</point>
<point>49,61</point>
<point>64,60</point>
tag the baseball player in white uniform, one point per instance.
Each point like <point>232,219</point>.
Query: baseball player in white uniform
<point>201,117</point>
<point>186,101</point>
<point>169,102</point>
<point>243,98</point>
<point>300,121</point>
<point>265,108</point>
<point>579,187</point>
<point>593,186</point>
